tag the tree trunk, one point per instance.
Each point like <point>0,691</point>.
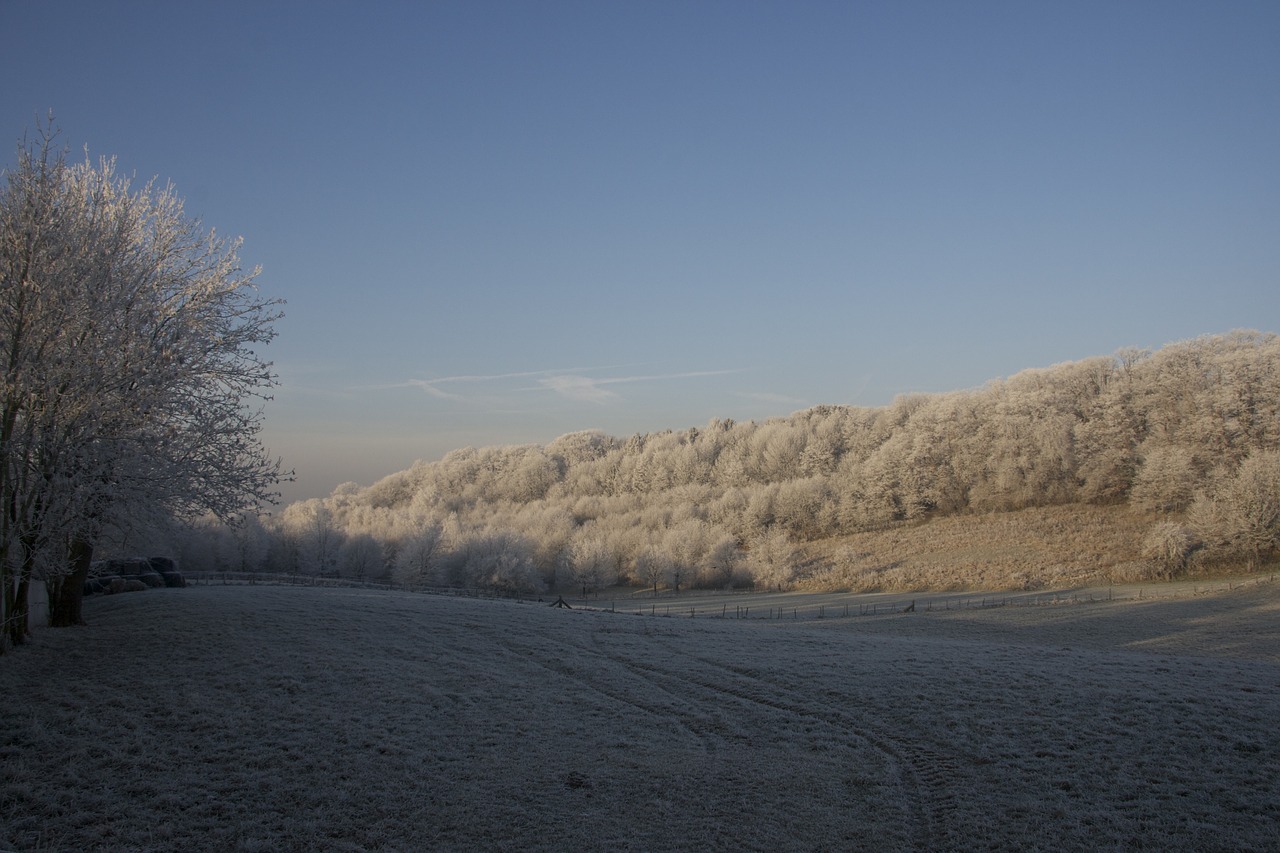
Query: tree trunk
<point>66,593</point>
<point>18,613</point>
<point>16,607</point>
<point>13,620</point>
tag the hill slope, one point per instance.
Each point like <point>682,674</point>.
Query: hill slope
<point>1181,445</point>
<point>1037,548</point>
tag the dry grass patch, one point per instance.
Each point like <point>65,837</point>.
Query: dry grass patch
<point>1030,549</point>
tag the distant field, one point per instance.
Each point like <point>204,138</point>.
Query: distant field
<point>273,718</point>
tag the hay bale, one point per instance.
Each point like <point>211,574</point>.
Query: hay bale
<point>123,566</point>
<point>167,568</point>
<point>163,564</point>
<point>134,585</point>
<point>148,579</point>
<point>151,572</point>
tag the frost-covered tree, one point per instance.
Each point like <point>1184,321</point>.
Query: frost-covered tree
<point>592,565</point>
<point>361,558</point>
<point>652,566</point>
<point>799,505</point>
<point>771,561</point>
<point>131,379</point>
<point>580,448</point>
<point>205,545</point>
<point>499,560</point>
<point>1243,510</point>
<point>419,556</point>
<point>250,542</point>
<point>700,554</point>
<point>1108,433</point>
<point>319,541</point>
<point>1167,480</point>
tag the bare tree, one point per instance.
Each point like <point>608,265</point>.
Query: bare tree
<point>131,381</point>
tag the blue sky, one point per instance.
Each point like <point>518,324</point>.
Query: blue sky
<point>498,222</point>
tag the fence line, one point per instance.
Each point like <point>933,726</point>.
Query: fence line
<point>675,608</point>
<point>330,582</point>
<point>851,609</point>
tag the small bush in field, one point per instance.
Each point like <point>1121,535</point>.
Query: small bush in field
<point>1169,546</point>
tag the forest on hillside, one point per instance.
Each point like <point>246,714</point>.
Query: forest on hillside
<point>1188,435</point>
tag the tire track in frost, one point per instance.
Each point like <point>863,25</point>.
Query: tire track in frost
<point>922,774</point>
<point>686,713</point>
<point>925,775</point>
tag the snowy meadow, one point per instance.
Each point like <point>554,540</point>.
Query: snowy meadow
<point>271,718</point>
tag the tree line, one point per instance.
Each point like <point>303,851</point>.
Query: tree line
<point>1188,434</point>
<point>131,382</point>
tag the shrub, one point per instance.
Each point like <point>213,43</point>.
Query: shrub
<point>1169,546</point>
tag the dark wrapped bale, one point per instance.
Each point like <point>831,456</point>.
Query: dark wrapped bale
<point>123,566</point>
<point>129,568</point>
<point>167,568</point>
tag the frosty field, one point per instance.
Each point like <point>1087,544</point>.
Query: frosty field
<point>268,718</point>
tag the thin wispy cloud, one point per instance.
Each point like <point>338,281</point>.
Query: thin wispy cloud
<point>579,388</point>
<point>432,387</point>
<point>571,384</point>
<point>588,389</point>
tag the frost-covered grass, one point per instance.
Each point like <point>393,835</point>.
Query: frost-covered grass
<point>263,718</point>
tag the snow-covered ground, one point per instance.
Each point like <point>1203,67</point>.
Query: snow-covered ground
<point>272,718</point>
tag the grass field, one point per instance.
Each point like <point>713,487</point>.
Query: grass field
<point>268,718</point>
<point>1034,548</point>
